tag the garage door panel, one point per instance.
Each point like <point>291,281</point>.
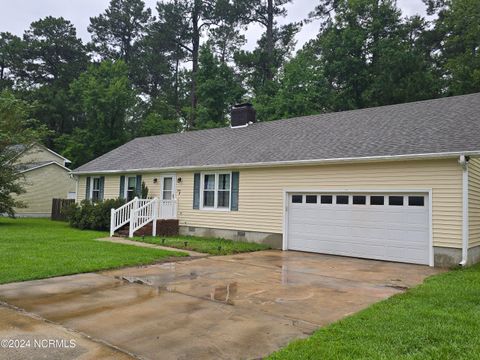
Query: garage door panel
<point>385,232</point>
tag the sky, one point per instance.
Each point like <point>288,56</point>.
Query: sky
<point>16,15</point>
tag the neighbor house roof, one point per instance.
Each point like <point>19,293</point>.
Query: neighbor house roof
<point>432,128</point>
<point>37,165</point>
<point>21,148</point>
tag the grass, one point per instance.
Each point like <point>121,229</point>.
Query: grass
<point>41,248</point>
<point>439,319</point>
<point>212,246</point>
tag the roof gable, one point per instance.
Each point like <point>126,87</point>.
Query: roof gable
<point>36,153</point>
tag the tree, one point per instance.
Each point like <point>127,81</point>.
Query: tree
<point>53,53</point>
<point>457,35</point>
<point>185,21</point>
<point>115,32</point>
<point>372,56</point>
<point>262,67</point>
<point>302,90</point>
<point>218,90</point>
<point>264,12</point>
<point>224,41</point>
<point>258,67</point>
<point>11,49</point>
<point>16,128</point>
<point>52,57</point>
<point>152,68</point>
<point>105,96</point>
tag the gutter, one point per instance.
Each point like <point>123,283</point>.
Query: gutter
<point>463,161</point>
<point>425,156</point>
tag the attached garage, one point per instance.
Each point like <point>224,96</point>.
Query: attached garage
<point>393,226</point>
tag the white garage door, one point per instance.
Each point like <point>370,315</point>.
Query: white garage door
<point>382,226</point>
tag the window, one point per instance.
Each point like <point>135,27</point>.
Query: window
<point>131,187</point>
<point>311,199</point>
<point>377,200</point>
<point>297,199</point>
<point>342,199</point>
<point>224,191</point>
<point>167,190</point>
<point>395,200</point>
<point>359,200</point>
<point>216,191</point>
<point>326,199</point>
<point>416,201</point>
<point>209,190</point>
<point>96,189</point>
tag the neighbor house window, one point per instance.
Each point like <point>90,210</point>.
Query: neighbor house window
<point>216,191</point>
<point>96,189</point>
<point>131,187</point>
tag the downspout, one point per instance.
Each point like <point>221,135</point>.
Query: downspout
<point>465,223</point>
<point>75,177</point>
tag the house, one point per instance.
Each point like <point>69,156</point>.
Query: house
<point>46,176</point>
<point>398,183</point>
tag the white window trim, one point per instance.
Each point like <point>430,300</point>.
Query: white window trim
<point>91,187</point>
<point>202,180</point>
<point>125,185</point>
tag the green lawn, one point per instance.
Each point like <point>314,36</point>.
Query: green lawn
<point>211,246</point>
<point>439,319</point>
<point>40,248</point>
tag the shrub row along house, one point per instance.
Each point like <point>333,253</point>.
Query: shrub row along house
<point>398,183</point>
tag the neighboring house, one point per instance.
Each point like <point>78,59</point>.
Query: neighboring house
<point>46,176</point>
<point>398,183</point>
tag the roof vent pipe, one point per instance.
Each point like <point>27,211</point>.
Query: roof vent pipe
<point>242,115</point>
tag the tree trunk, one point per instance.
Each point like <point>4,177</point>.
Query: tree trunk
<point>177,65</point>
<point>195,50</point>
<point>270,41</point>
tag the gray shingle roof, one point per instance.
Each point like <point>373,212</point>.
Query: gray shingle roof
<point>424,127</point>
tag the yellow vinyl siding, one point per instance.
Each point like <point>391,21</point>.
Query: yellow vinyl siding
<point>38,154</point>
<point>42,185</point>
<point>474,202</point>
<point>110,191</point>
<point>261,193</point>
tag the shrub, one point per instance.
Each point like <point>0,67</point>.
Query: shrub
<point>92,215</point>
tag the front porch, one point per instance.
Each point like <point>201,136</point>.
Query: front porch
<point>138,213</point>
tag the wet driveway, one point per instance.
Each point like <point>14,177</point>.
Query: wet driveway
<point>229,307</point>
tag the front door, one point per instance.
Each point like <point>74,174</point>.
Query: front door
<point>168,208</point>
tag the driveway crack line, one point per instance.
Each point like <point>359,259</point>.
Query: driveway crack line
<point>70,330</point>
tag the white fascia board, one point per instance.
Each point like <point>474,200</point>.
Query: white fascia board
<point>43,165</point>
<point>426,156</point>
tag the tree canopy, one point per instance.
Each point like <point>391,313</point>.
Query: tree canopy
<point>182,65</point>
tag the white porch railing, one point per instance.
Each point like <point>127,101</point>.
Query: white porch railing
<point>143,215</point>
<point>121,216</point>
<point>140,212</point>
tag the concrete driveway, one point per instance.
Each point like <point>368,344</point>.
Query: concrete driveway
<point>230,307</point>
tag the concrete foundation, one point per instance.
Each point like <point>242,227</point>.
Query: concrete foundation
<point>443,257</point>
<point>451,257</point>
<point>273,240</point>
